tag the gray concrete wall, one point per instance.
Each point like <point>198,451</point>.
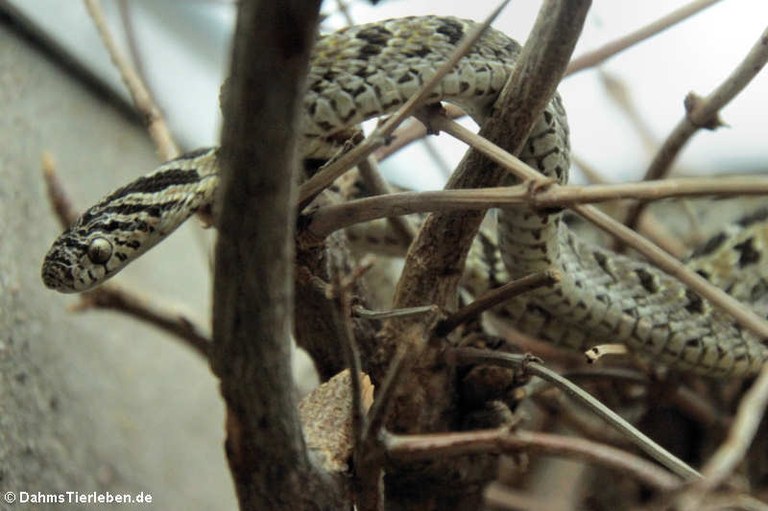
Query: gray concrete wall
<point>93,401</point>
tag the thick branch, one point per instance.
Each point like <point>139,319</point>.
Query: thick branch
<point>253,299</point>
<point>436,259</point>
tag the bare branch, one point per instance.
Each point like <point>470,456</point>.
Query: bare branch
<point>328,219</point>
<point>495,297</point>
<point>118,299</point>
<point>158,130</point>
<point>438,446</point>
<point>411,132</point>
<point>253,284</point>
<point>733,450</point>
<point>61,202</point>
<point>703,113</point>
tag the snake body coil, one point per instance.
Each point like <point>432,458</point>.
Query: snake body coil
<point>367,71</point>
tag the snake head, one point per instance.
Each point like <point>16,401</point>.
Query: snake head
<point>104,240</point>
<point>77,262</point>
<point>128,222</point>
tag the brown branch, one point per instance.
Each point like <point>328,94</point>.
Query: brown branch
<point>158,130</point>
<point>368,470</point>
<point>600,55</point>
<point>703,113</point>
<point>115,298</point>
<point>326,220</point>
<point>411,132</point>
<point>745,425</point>
<point>381,134</point>
<point>253,281</point>
<point>436,259</point>
<point>495,297</point>
<point>61,202</point>
<point>498,441</point>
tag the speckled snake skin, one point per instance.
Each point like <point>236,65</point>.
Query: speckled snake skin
<point>367,71</point>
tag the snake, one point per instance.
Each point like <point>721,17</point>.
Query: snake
<point>366,71</point>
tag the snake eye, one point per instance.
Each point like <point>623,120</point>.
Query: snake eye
<point>99,250</point>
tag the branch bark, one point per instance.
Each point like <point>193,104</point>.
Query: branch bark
<point>424,400</point>
<point>435,261</point>
<point>253,286</point>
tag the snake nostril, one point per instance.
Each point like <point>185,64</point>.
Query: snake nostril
<point>55,275</point>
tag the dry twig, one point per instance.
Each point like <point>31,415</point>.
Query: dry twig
<point>442,445</point>
<point>495,297</point>
<point>703,113</point>
<point>596,57</point>
<point>158,130</point>
<point>113,297</point>
<point>326,220</point>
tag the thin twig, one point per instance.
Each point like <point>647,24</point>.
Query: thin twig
<point>328,219</point>
<point>340,294</point>
<point>495,297</point>
<point>62,205</point>
<point>618,91</point>
<point>158,130</point>
<point>368,468</point>
<point>401,362</point>
<point>381,134</point>
<point>473,356</point>
<point>411,132</point>
<point>369,450</point>
<point>682,398</point>
<point>438,446</point>
<point>118,299</point>
<point>126,17</point>
<point>369,171</point>
<point>745,425</point>
<point>598,56</point>
<point>343,9</point>
<point>394,313</point>
<point>703,113</point>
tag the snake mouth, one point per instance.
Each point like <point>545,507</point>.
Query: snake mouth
<point>58,276</point>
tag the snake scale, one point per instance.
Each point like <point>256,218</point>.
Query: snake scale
<point>369,70</point>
